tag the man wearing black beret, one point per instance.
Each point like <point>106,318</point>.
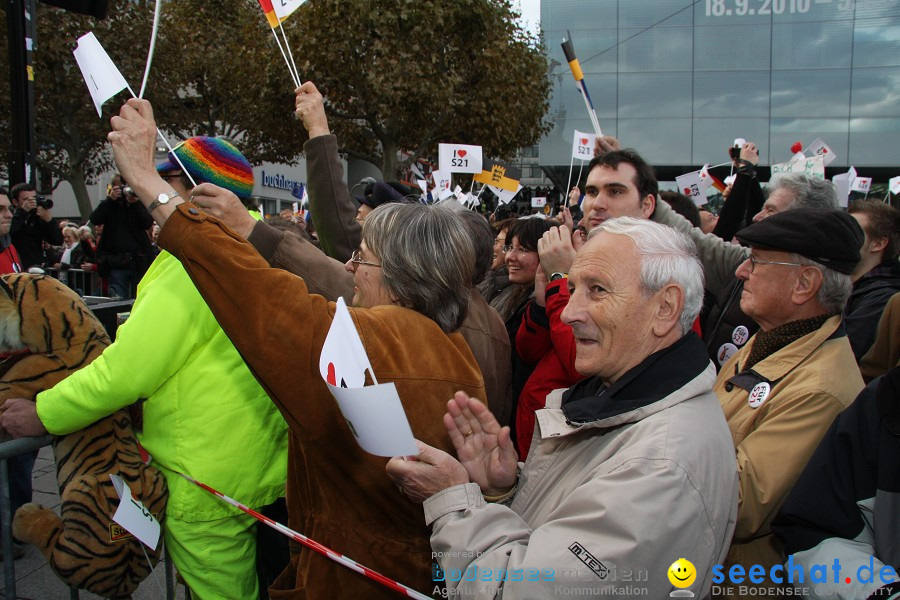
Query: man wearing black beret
<point>782,390</point>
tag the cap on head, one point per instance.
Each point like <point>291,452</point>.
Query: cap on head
<point>212,160</point>
<point>829,237</point>
<point>380,193</point>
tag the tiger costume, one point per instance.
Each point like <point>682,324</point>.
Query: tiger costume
<point>51,333</point>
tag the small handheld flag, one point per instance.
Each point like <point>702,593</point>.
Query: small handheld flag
<point>569,51</point>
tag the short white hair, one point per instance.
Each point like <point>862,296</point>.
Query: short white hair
<point>667,256</point>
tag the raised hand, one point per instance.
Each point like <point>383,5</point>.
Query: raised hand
<point>484,448</point>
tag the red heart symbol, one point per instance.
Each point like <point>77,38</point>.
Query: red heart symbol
<point>687,192</point>
<point>461,153</point>
<point>797,147</point>
<point>584,141</point>
<point>824,150</point>
<point>331,378</point>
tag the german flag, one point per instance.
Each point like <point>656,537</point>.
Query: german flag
<point>269,11</point>
<point>499,175</point>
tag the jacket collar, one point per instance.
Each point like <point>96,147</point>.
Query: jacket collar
<point>651,386</point>
<point>779,364</point>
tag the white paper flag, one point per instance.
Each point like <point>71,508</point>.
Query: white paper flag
<point>843,183</point>
<point>694,186</point>
<point>504,196</point>
<point>861,184</point>
<point>423,185</point>
<point>539,202</point>
<point>739,142</point>
<point>100,73</point>
<point>894,185</point>
<point>134,516</point>
<point>343,362</point>
<point>583,145</point>
<point>459,158</point>
<point>820,148</point>
<point>441,184</point>
<point>373,413</point>
<point>284,8</point>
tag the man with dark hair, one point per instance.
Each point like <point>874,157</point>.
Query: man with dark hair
<point>683,205</point>
<point>32,225</point>
<point>877,276</point>
<point>125,251</point>
<point>619,184</point>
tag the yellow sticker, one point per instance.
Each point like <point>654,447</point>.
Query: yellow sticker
<point>30,72</point>
<point>117,533</point>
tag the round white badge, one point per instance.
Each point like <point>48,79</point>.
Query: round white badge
<point>740,335</point>
<point>758,394</point>
<point>725,352</point>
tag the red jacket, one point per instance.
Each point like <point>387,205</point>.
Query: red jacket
<point>9,260</point>
<point>543,339</point>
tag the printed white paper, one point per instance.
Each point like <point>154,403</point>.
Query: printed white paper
<point>459,158</point>
<point>134,516</point>
<point>583,145</point>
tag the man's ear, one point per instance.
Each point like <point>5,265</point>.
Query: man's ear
<point>648,206</point>
<point>669,302</point>
<point>807,285</point>
<point>878,244</point>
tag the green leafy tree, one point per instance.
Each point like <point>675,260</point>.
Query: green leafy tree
<point>70,138</point>
<point>403,76</point>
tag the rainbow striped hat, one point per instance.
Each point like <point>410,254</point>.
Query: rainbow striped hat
<point>212,160</point>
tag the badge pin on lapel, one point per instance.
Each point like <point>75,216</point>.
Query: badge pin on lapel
<point>758,394</point>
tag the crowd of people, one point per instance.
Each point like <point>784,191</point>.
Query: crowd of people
<point>595,396</point>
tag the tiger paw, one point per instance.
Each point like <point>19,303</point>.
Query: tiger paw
<point>35,524</point>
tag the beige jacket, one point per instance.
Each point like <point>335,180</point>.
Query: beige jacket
<point>811,380</point>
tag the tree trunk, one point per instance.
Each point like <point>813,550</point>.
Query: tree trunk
<point>390,162</point>
<point>79,186</point>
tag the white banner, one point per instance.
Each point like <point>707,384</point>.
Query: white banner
<point>284,8</point>
<point>459,158</point>
<point>861,184</point>
<point>811,166</point>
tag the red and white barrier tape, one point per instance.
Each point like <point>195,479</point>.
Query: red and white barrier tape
<point>314,545</point>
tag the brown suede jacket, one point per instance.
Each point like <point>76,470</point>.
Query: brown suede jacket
<point>339,234</point>
<point>337,494</point>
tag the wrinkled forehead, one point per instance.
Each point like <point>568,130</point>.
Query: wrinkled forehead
<point>605,254</point>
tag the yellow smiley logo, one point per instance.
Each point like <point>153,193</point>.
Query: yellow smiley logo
<point>682,573</point>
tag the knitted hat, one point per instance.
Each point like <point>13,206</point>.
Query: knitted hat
<point>830,237</point>
<point>212,160</point>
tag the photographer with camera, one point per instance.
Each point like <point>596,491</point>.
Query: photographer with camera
<point>124,251</point>
<point>32,224</point>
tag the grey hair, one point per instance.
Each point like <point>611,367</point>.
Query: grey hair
<point>426,259</point>
<point>482,238</point>
<point>836,286</point>
<point>808,192</point>
<point>667,256</point>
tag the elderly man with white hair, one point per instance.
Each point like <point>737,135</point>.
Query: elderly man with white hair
<point>631,469</point>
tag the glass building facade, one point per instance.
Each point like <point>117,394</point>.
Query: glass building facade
<point>680,80</point>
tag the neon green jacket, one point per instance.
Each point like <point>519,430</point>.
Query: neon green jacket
<point>205,414</point>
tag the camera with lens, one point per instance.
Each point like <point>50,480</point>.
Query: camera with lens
<point>43,202</point>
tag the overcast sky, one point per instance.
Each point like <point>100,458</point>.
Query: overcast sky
<point>531,13</point>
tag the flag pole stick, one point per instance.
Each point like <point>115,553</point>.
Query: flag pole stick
<point>166,142</point>
<point>569,184</point>
<point>293,75</point>
<point>290,53</point>
<point>580,167</point>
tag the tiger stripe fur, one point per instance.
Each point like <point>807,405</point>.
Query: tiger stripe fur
<point>52,333</point>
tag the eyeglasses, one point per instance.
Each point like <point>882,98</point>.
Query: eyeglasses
<point>357,259</point>
<point>755,261</point>
<point>499,241</point>
<point>520,250</point>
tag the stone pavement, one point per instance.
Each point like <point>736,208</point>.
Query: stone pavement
<point>34,578</point>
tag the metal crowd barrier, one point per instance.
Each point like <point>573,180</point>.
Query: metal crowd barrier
<point>86,283</point>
